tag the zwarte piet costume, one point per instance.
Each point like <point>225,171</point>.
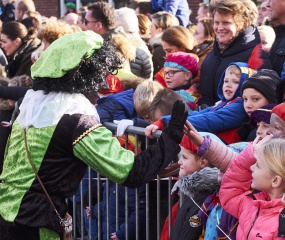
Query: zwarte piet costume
<point>64,135</point>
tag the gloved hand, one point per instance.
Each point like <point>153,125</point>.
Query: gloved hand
<point>122,126</point>
<point>176,124</point>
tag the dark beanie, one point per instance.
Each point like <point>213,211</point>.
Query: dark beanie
<point>266,82</point>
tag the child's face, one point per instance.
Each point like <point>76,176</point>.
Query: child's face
<point>277,126</point>
<point>231,84</point>
<point>189,162</point>
<point>252,100</point>
<point>175,77</point>
<point>261,174</point>
<point>262,129</point>
<point>266,42</point>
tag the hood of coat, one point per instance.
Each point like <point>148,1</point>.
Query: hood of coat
<point>246,72</point>
<point>205,180</point>
<point>156,40</point>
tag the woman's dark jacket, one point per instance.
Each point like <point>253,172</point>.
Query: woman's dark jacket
<point>216,62</point>
<point>20,63</point>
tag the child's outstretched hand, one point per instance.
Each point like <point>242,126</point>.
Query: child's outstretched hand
<point>150,129</point>
<point>88,212</point>
<point>193,134</point>
<point>257,142</point>
<point>114,236</point>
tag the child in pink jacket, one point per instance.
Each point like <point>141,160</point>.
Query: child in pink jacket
<point>259,212</point>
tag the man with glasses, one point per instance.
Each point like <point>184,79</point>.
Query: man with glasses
<point>262,14</point>
<point>100,18</point>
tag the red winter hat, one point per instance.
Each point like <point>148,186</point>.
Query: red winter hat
<point>279,110</point>
<point>187,62</point>
<point>188,144</point>
<point>114,85</point>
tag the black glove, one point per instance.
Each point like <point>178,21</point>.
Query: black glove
<point>176,124</point>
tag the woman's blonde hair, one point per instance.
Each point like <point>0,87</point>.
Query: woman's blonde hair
<point>144,24</point>
<point>244,12</point>
<point>274,155</point>
<point>164,20</point>
<point>53,29</point>
<point>180,37</point>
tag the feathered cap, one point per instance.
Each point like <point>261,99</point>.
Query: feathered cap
<point>65,54</point>
<point>75,63</point>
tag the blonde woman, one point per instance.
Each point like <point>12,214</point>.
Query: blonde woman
<point>160,22</point>
<point>236,37</point>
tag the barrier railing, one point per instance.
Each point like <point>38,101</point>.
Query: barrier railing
<point>144,214</point>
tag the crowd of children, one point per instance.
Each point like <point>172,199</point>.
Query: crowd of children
<point>210,88</point>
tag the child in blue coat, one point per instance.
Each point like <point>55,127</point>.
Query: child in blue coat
<point>227,114</point>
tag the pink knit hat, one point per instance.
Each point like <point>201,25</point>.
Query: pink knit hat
<point>184,61</point>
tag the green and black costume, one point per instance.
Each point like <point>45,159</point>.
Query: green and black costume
<point>61,147</point>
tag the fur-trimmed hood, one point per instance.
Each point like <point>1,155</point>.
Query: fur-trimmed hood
<point>205,180</point>
<point>156,40</point>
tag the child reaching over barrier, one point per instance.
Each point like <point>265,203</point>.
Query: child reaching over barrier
<point>197,180</point>
<point>260,214</point>
<point>228,114</point>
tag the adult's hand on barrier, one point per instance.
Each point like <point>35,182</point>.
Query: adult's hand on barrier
<point>122,126</point>
<point>193,134</point>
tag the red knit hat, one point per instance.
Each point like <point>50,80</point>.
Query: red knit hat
<point>279,110</point>
<point>184,61</point>
<point>114,85</point>
<point>188,144</point>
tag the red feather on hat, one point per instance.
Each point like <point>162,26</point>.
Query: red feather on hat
<point>255,61</point>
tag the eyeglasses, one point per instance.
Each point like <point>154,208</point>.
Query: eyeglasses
<point>86,21</point>
<point>171,73</point>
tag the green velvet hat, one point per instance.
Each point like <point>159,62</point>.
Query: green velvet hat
<point>65,54</point>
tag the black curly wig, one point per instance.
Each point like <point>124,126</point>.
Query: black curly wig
<point>87,77</point>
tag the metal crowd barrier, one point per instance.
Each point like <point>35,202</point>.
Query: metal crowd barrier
<point>155,213</point>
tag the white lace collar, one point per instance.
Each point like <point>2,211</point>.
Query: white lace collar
<point>43,110</point>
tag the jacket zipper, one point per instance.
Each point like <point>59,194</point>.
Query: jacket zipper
<point>253,222</point>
